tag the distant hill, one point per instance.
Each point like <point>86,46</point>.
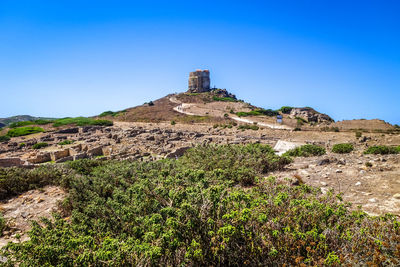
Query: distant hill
<point>9,120</point>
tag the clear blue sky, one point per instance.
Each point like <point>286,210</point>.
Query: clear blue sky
<point>71,58</point>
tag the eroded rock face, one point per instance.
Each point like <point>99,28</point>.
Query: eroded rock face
<point>310,115</point>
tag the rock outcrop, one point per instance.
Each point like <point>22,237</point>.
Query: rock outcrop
<point>310,115</point>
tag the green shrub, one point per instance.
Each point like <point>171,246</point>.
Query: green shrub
<point>151,103</point>
<point>81,121</point>
<point>258,112</point>
<point>297,129</point>
<point>35,122</point>
<point>382,150</point>
<point>173,122</point>
<point>2,224</point>
<point>248,127</point>
<point>20,123</point>
<point>24,131</point>
<point>40,145</point>
<point>358,134</point>
<point>306,151</point>
<point>224,99</point>
<point>66,142</point>
<point>4,138</point>
<point>43,121</point>
<point>14,181</point>
<point>257,157</point>
<point>285,109</point>
<point>342,148</point>
<point>111,113</point>
<point>22,145</point>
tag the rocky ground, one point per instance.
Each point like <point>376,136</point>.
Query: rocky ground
<point>32,205</point>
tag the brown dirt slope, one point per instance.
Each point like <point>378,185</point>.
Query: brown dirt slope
<point>363,124</point>
<point>162,110</point>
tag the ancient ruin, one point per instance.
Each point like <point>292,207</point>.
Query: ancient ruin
<point>199,81</point>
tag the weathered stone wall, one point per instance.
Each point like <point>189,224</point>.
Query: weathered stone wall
<point>199,81</point>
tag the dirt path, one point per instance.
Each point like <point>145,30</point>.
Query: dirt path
<point>181,108</point>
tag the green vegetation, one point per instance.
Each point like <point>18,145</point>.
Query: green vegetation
<point>81,121</point>
<point>14,181</point>
<point>358,134</point>
<point>258,112</point>
<point>212,207</point>
<point>300,121</point>
<point>2,224</point>
<point>224,99</point>
<point>306,151</point>
<point>382,150</point>
<point>248,127</point>
<point>112,113</point>
<point>25,123</point>
<point>342,148</point>
<point>22,145</point>
<point>24,131</point>
<point>285,109</point>
<point>4,138</point>
<point>173,122</point>
<point>40,145</point>
<point>66,142</point>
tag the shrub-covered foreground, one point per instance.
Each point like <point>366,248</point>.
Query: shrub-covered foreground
<point>196,211</point>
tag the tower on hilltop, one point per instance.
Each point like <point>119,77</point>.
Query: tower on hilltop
<point>199,81</point>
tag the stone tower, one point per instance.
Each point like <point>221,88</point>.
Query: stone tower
<point>199,81</point>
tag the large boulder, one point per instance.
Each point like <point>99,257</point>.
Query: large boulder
<point>310,115</point>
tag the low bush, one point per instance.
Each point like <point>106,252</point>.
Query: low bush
<point>40,145</point>
<point>248,127</point>
<point>26,123</point>
<point>382,150</point>
<point>258,157</point>
<point>358,134</point>
<point>111,113</point>
<point>14,181</point>
<point>20,123</point>
<point>2,224</point>
<point>24,131</point>
<point>306,151</point>
<point>66,142</point>
<point>173,122</point>
<point>342,148</point>
<point>81,121</point>
<point>224,99</point>
<point>4,138</point>
<point>285,109</point>
<point>258,112</point>
<point>21,145</point>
